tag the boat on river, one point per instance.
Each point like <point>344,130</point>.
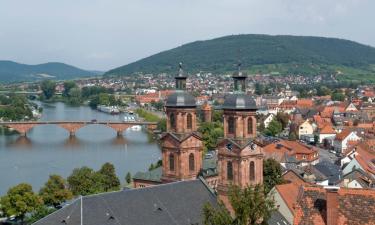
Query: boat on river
<point>108,109</point>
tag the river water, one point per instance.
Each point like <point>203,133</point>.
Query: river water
<point>48,149</point>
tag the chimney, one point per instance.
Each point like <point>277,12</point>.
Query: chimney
<point>332,205</point>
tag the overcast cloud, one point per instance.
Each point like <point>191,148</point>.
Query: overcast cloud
<point>103,34</point>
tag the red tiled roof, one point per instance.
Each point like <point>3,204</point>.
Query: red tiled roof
<point>288,193</point>
<point>346,206</point>
<point>305,103</point>
<point>291,148</point>
<point>328,129</point>
<point>341,136</point>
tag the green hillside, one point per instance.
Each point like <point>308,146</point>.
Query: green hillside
<point>12,72</point>
<point>263,53</point>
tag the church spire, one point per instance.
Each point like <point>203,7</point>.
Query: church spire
<point>180,79</point>
<point>239,80</point>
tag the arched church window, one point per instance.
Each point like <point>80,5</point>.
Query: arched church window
<point>172,120</point>
<point>231,125</point>
<point>252,171</point>
<point>191,162</point>
<point>171,162</point>
<point>189,121</point>
<point>229,170</point>
<point>250,125</point>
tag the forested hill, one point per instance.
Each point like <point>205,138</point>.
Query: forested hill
<point>11,71</point>
<point>262,53</point>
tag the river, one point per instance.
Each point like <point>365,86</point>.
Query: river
<point>48,149</point>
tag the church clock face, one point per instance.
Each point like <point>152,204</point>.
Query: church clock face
<point>253,146</point>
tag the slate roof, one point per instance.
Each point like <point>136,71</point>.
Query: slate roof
<point>277,219</point>
<point>239,102</point>
<point>364,179</point>
<point>180,99</point>
<point>329,170</point>
<point>173,203</point>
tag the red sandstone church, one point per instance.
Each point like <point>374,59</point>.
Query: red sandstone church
<point>239,158</point>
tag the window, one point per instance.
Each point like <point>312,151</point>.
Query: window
<point>231,125</point>
<point>191,162</point>
<point>171,162</point>
<point>250,125</point>
<point>229,171</point>
<point>252,171</point>
<point>189,121</point>
<point>172,120</point>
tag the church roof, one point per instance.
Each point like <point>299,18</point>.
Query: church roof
<point>239,101</point>
<point>173,203</point>
<point>180,99</point>
<point>181,136</point>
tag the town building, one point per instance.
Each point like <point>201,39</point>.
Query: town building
<point>344,139</point>
<point>291,153</point>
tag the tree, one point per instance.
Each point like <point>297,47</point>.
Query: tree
<point>338,96</point>
<point>40,213</point>
<point>104,99</point>
<point>128,178</point>
<point>274,128</point>
<point>48,88</point>
<point>271,174</point>
<point>217,116</point>
<point>74,96</point>
<point>323,91</point>
<point>250,206</point>
<point>151,167</point>
<point>85,181</point>
<point>68,85</point>
<point>55,191</point>
<point>20,200</point>
<point>109,180</point>
<point>283,118</point>
<point>162,125</point>
<point>211,132</point>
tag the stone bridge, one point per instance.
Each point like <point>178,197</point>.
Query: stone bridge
<point>73,126</point>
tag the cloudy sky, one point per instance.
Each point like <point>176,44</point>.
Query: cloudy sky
<point>103,34</point>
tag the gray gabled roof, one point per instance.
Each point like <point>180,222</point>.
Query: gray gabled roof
<point>173,203</point>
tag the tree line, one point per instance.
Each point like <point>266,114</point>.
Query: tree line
<point>74,95</point>
<point>27,206</point>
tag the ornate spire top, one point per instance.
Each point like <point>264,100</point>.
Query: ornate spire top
<point>180,70</point>
<point>180,78</point>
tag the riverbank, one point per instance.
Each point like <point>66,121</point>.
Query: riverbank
<point>48,149</point>
<point>152,117</point>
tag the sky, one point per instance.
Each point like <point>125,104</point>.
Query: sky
<point>104,34</point>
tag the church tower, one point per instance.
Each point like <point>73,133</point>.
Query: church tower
<point>240,159</point>
<point>182,145</point>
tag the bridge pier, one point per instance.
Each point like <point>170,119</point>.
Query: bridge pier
<point>119,133</point>
<point>72,133</point>
<point>23,134</point>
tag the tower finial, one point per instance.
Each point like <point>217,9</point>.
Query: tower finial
<point>180,70</point>
<point>180,78</point>
<point>239,66</point>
